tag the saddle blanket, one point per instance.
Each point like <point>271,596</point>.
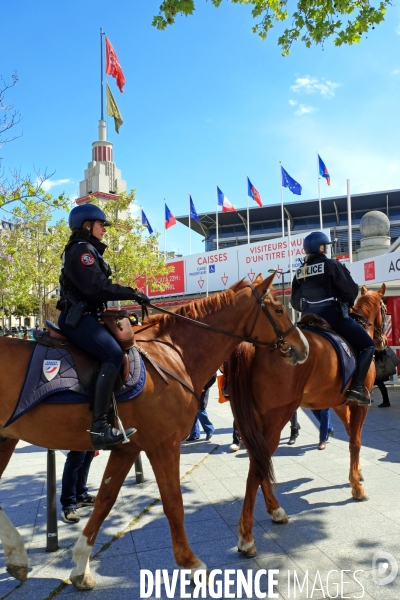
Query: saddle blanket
<point>52,376</point>
<point>344,352</point>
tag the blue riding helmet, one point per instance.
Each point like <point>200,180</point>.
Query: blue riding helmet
<point>86,212</point>
<point>314,240</point>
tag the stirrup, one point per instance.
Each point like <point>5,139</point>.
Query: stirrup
<point>360,397</point>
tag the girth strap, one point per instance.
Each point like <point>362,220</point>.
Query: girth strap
<point>160,368</point>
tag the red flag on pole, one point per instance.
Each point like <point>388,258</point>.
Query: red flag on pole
<point>113,67</point>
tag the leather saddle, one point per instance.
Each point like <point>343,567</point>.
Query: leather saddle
<point>315,321</point>
<point>87,366</point>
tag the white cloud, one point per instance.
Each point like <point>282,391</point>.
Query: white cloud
<point>293,102</point>
<point>395,72</point>
<point>398,29</point>
<point>311,85</point>
<point>304,110</point>
<point>135,210</point>
<point>49,183</point>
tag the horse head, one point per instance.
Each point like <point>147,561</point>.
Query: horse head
<point>272,318</point>
<point>373,314</point>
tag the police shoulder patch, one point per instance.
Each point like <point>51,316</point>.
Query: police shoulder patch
<point>87,259</point>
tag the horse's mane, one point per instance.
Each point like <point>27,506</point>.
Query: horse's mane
<point>199,308</point>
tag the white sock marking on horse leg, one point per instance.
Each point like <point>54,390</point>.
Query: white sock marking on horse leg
<point>244,546</point>
<point>199,568</point>
<point>279,515</point>
<point>12,542</point>
<point>80,556</point>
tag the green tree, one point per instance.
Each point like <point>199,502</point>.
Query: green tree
<point>311,21</point>
<point>37,255</point>
<point>131,254</point>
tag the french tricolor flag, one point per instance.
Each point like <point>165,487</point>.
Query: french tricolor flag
<point>224,202</point>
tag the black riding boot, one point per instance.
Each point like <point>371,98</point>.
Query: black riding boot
<point>356,390</point>
<point>101,433</point>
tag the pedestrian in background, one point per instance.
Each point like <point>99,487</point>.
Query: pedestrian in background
<point>294,429</point>
<point>325,427</point>
<point>74,490</point>
<point>202,416</point>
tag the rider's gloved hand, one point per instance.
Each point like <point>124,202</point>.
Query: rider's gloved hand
<point>141,298</point>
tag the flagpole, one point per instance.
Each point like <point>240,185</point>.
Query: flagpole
<point>319,194</point>
<point>165,232</point>
<point>350,236</point>
<point>290,262</point>
<point>248,220</point>
<point>207,269</point>
<point>283,221</point>
<point>141,220</point>
<point>216,216</point>
<point>190,232</point>
<point>101,74</point>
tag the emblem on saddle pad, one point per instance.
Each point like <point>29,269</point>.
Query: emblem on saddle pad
<point>345,348</point>
<point>51,368</point>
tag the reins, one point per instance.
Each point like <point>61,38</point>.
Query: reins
<point>379,331</point>
<point>251,340</point>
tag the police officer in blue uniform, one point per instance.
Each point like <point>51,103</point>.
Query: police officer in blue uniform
<point>324,286</point>
<point>85,289</point>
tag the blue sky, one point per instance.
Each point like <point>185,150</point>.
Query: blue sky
<point>205,102</point>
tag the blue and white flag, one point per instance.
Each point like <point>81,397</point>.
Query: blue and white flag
<point>290,183</point>
<point>145,222</point>
<point>193,213</point>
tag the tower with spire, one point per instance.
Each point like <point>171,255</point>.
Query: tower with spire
<point>102,178</point>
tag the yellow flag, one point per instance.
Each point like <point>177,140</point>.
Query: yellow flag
<point>113,110</point>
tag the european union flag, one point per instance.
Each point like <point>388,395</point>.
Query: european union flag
<point>290,183</point>
<point>145,222</point>
<point>193,213</point>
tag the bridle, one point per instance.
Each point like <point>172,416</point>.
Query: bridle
<point>379,332</point>
<point>278,345</point>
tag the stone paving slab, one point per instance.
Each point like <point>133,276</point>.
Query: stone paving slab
<point>328,531</point>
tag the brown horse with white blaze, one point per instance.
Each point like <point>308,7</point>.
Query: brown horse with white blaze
<point>163,414</point>
<point>264,394</point>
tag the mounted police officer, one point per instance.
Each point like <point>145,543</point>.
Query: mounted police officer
<point>85,289</point>
<point>324,286</point>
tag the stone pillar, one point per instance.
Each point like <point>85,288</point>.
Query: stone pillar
<point>375,228</point>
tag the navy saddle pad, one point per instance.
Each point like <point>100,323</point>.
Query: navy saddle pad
<point>343,350</point>
<point>52,376</point>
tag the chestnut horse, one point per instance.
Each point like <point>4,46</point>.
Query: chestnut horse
<point>163,413</point>
<point>264,394</point>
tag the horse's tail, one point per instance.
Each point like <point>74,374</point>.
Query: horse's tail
<point>244,409</point>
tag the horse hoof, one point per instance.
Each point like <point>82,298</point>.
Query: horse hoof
<point>362,498</point>
<point>83,582</point>
<point>18,572</point>
<point>250,552</point>
<point>279,516</point>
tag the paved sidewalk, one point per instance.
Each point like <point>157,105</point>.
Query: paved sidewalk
<point>327,531</point>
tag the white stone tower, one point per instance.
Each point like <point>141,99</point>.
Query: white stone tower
<point>102,178</point>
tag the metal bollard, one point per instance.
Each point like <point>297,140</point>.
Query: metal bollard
<point>52,528</point>
<point>139,470</point>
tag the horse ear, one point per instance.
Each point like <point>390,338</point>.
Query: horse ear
<point>258,279</point>
<point>382,290</point>
<point>363,290</point>
<point>266,283</point>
